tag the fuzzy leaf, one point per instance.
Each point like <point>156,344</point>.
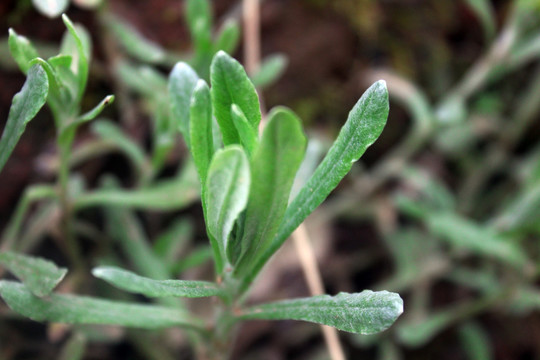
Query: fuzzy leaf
<point>202,141</point>
<point>480,240</point>
<point>134,42</point>
<point>270,70</point>
<point>87,310</point>
<point>228,37</point>
<point>227,189</point>
<point>365,313</point>
<point>51,8</point>
<point>39,275</point>
<point>25,105</point>
<point>231,85</point>
<point>131,282</point>
<point>82,44</point>
<point>364,125</point>
<point>249,136</point>
<point>182,82</point>
<point>273,169</point>
<point>21,50</point>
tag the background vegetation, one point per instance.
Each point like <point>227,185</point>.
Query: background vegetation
<point>444,209</point>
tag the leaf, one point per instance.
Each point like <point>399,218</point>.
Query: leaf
<point>21,50</point>
<point>134,42</point>
<point>92,114</point>
<point>196,10</point>
<point>182,82</point>
<point>67,131</point>
<point>365,313</point>
<point>231,85</point>
<point>202,141</point>
<point>364,125</point>
<point>74,348</point>
<point>468,235</point>
<point>133,283</point>
<point>82,44</point>
<point>40,276</point>
<point>475,341</point>
<point>174,240</point>
<point>25,105</point>
<point>51,8</point>
<point>165,195</point>
<point>144,80</point>
<point>228,37</point>
<point>227,189</point>
<point>273,169</point>
<point>249,136</point>
<point>270,70</point>
<point>87,310</point>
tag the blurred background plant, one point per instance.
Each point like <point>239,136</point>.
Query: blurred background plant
<point>445,208</point>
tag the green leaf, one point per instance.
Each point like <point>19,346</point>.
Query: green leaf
<point>40,276</point>
<point>82,56</point>
<point>134,42</point>
<point>228,37</point>
<point>249,136</point>
<point>25,105</point>
<point>364,125</point>
<point>87,310</point>
<point>227,189</point>
<point>92,114</point>
<point>270,70</point>
<point>475,340</point>
<point>273,169</point>
<point>182,82</point>
<point>51,8</point>
<point>196,10</point>
<point>74,348</point>
<point>484,241</point>
<point>144,80</point>
<point>173,194</point>
<point>231,85</point>
<point>365,313</point>
<point>174,240</point>
<point>67,131</point>
<point>202,141</point>
<point>21,50</point>
<point>133,283</point>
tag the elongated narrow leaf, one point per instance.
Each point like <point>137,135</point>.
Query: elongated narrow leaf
<point>51,8</point>
<point>249,136</point>
<point>364,125</point>
<point>39,275</point>
<point>134,42</point>
<point>273,170</point>
<point>21,50</point>
<point>182,82</point>
<point>92,114</point>
<point>231,85</point>
<point>25,105</point>
<point>87,310</point>
<point>367,312</point>
<point>228,37</point>
<point>227,189</point>
<point>82,44</point>
<point>202,140</point>
<point>197,10</point>
<point>165,195</point>
<point>271,69</point>
<point>131,282</point>
<point>465,234</point>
